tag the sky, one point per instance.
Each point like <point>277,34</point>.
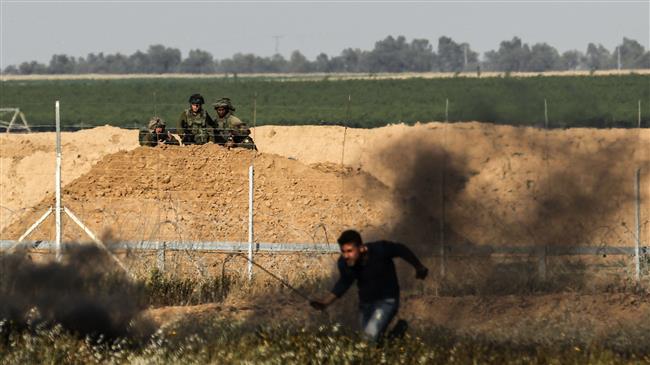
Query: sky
<point>35,30</point>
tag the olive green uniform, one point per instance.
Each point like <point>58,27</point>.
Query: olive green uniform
<point>152,139</point>
<point>230,125</point>
<point>196,128</point>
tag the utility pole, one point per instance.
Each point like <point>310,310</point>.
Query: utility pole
<point>618,61</point>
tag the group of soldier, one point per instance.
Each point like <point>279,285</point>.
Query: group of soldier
<point>195,126</point>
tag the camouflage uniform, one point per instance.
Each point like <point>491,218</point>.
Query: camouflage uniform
<point>196,128</point>
<point>229,128</point>
<point>149,137</point>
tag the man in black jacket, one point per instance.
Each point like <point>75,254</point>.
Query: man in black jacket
<point>371,266</point>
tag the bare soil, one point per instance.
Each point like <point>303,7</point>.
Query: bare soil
<point>469,183</point>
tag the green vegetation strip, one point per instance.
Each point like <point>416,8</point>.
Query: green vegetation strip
<point>604,101</point>
<point>225,342</point>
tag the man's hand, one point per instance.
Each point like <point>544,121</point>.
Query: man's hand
<point>421,272</point>
<point>318,305</point>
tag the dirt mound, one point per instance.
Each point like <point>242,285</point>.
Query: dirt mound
<point>200,193</point>
<point>490,184</point>
<point>466,183</point>
<point>27,163</point>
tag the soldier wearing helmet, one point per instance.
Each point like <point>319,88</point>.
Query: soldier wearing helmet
<point>231,130</point>
<point>156,134</point>
<point>195,125</point>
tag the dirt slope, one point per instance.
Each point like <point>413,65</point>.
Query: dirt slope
<point>200,193</point>
<point>27,163</point>
<point>485,184</point>
<point>502,184</point>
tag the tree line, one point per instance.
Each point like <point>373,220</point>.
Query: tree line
<point>388,55</point>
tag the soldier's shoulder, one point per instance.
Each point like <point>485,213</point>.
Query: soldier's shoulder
<point>234,120</point>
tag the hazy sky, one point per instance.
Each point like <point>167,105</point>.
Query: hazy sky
<point>35,30</point>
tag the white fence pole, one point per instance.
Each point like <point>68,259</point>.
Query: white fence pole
<point>250,222</point>
<point>545,114</point>
<point>637,189</point>
<point>446,110</point>
<point>35,225</point>
<point>57,182</point>
<point>639,115</point>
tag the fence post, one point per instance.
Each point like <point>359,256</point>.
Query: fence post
<point>639,115</point>
<point>446,110</point>
<point>541,263</point>
<point>57,182</point>
<point>545,114</point>
<point>637,192</point>
<point>160,261</point>
<point>250,222</point>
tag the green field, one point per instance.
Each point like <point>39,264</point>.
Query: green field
<point>573,101</point>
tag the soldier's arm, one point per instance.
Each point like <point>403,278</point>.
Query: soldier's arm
<point>209,121</point>
<point>239,126</point>
<point>149,140</point>
<point>181,128</point>
<point>211,127</point>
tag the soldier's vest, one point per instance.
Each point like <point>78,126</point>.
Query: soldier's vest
<point>225,123</point>
<point>197,124</point>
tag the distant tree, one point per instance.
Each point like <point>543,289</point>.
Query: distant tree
<point>572,60</point>
<point>61,64</point>
<point>139,62</point>
<point>298,63</point>
<point>420,56</point>
<point>31,68</point>
<point>389,55</point>
<point>543,58</point>
<point>350,60</point>
<point>277,63</point>
<point>512,56</point>
<point>598,57</point>
<point>454,57</point>
<point>117,63</point>
<point>198,61</point>
<point>632,54</point>
<point>163,59</point>
<point>322,63</point>
<point>10,70</point>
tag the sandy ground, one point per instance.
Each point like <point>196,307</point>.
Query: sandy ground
<point>470,183</point>
<point>485,184</point>
<point>27,163</point>
<point>543,318</point>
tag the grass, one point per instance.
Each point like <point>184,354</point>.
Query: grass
<point>221,342</point>
<point>573,101</point>
<point>202,340</point>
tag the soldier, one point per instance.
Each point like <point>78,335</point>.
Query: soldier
<point>195,125</point>
<point>231,130</point>
<point>371,266</point>
<point>156,134</point>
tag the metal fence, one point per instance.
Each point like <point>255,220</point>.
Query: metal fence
<point>163,218</point>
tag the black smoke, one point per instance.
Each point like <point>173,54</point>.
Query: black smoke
<point>86,294</point>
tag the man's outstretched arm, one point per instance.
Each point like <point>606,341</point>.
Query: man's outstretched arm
<point>400,250</point>
<point>342,285</point>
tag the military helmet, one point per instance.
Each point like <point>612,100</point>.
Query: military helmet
<point>224,102</point>
<point>156,122</point>
<point>196,99</point>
